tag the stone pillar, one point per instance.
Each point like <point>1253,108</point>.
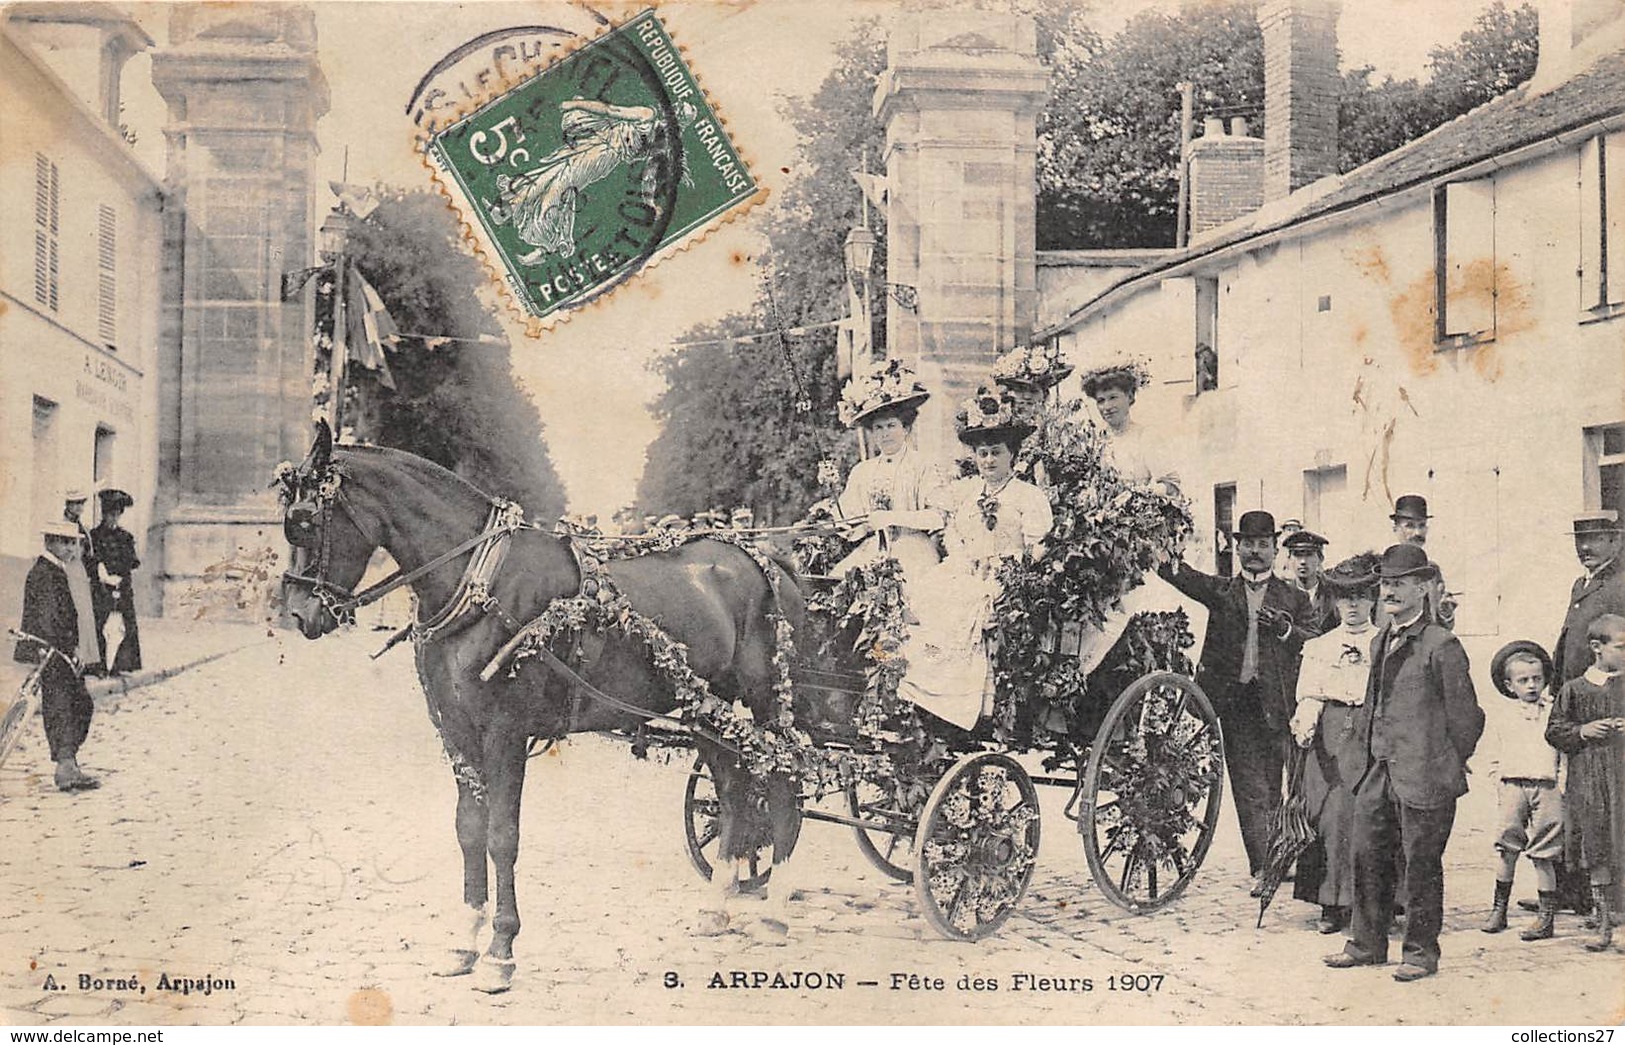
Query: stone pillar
<point>1301,84</point>
<point>960,99</point>
<point>244,91</point>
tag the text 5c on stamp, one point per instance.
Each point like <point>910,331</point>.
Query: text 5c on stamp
<point>593,168</point>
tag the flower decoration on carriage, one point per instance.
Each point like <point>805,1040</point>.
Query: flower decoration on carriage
<point>1132,371</point>
<point>889,386</point>
<point>286,481</point>
<point>1032,366</point>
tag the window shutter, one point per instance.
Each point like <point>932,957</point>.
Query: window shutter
<point>107,276</point>
<point>1468,271</point>
<point>47,220</point>
<point>1592,288</point>
<point>1613,218</point>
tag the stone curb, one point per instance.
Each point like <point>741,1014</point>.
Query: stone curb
<point>106,689</point>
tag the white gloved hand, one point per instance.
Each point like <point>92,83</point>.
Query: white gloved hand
<point>1304,722</point>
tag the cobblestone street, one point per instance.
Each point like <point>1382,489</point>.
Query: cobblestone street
<point>281,818</point>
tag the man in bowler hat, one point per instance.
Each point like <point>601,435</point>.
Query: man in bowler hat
<point>1420,723</point>
<point>1410,518</point>
<point>1255,631</point>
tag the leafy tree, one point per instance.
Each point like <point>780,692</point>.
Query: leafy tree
<point>455,402</point>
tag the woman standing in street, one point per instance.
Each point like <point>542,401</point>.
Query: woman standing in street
<point>115,548</point>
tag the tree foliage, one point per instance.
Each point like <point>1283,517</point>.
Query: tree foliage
<point>455,404</point>
<point>1108,153</point>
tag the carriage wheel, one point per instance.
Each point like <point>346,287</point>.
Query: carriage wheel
<point>1152,791</point>
<point>976,846</point>
<point>890,851</point>
<point>702,829</point>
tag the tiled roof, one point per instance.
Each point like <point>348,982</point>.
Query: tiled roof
<point>1512,121</point>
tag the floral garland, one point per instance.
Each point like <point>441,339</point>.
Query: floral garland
<point>775,746</point>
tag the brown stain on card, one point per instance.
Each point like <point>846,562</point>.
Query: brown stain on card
<point>1412,310</point>
<point>370,1007</point>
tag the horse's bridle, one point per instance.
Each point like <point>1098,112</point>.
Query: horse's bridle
<point>307,523</point>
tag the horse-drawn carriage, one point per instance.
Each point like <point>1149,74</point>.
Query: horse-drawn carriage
<point>786,690</point>
<point>956,812</point>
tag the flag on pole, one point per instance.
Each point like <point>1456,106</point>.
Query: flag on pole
<point>874,188</point>
<point>371,328</point>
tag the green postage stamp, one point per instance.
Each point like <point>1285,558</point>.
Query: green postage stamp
<point>591,169</point>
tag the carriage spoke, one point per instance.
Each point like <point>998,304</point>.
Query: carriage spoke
<point>959,898</point>
<point>709,835</point>
<point>1151,878</point>
<point>1128,871</point>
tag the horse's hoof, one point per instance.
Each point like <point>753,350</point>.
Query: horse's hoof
<point>711,923</point>
<point>769,931</point>
<point>492,976</point>
<point>462,964</point>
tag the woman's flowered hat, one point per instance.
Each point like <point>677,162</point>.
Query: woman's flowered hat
<point>889,387</point>
<point>1130,374</point>
<point>990,415</point>
<point>1031,366</point>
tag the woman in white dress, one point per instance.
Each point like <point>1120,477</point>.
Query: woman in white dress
<point>993,516</point>
<point>1132,449</point>
<point>894,499</point>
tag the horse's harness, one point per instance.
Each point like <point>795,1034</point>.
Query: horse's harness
<point>307,524</point>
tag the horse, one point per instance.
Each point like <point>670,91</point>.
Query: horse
<point>478,571</point>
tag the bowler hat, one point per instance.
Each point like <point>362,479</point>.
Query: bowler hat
<point>1604,521</point>
<point>1256,524</point>
<point>1411,506</point>
<point>1404,560</point>
<point>1304,540</point>
<point>60,528</point>
<point>1498,663</point>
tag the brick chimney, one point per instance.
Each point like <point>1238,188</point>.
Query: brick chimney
<point>1227,174</point>
<point>1300,93</point>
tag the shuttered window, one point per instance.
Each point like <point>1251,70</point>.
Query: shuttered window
<point>47,224</point>
<point>1464,231</point>
<point>107,276</point>
<point>1602,222</point>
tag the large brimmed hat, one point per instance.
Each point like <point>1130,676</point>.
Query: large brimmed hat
<point>60,528</point>
<point>989,416</point>
<point>1031,366</point>
<point>1411,506</point>
<point>1132,374</point>
<point>1256,524</point>
<point>1405,560</point>
<point>1498,663</point>
<point>891,387</point>
<point>114,499</point>
<point>1604,521</point>
<point>75,493</point>
<point>1356,575</point>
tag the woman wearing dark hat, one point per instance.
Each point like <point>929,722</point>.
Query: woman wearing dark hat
<point>993,516</point>
<point>895,495</point>
<point>1331,688</point>
<point>115,547</point>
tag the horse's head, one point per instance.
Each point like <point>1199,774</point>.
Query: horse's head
<point>329,547</point>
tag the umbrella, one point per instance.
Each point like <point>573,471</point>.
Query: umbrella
<point>1290,833</point>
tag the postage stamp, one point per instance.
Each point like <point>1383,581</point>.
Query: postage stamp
<point>591,170</point>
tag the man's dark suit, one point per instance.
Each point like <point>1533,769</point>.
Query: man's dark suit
<point>1323,615</point>
<point>1254,714</point>
<point>49,614</point>
<point>1590,598</point>
<point>1420,723</point>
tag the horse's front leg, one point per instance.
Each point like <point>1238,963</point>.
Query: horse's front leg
<point>784,810</point>
<point>504,785</point>
<point>471,838</point>
<point>731,784</point>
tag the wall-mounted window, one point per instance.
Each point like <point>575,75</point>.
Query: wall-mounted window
<point>1224,521</point>
<point>1602,225</point>
<point>1464,248</point>
<point>1206,354</point>
<point>1605,467</point>
<point>107,276</point>
<point>47,226</point>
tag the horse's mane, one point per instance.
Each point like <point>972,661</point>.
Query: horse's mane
<point>420,469</point>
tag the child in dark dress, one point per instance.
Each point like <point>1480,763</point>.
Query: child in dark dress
<point>1588,723</point>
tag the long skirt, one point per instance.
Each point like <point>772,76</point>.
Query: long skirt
<point>1336,759</point>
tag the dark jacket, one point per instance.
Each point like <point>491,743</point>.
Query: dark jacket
<point>1224,647</point>
<point>115,547</point>
<point>1421,714</point>
<point>1323,615</point>
<point>1589,599</point>
<point>48,612</point>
